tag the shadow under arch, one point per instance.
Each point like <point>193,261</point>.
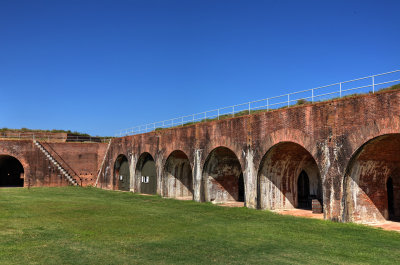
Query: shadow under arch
<point>121,172</point>
<point>222,177</point>
<point>146,174</point>
<point>11,172</point>
<point>280,170</point>
<point>373,168</point>
<point>177,176</point>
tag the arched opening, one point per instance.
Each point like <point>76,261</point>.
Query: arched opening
<point>178,176</point>
<point>241,188</point>
<point>389,189</point>
<point>11,172</point>
<point>372,182</point>
<point>121,172</point>
<point>303,191</point>
<point>222,177</point>
<point>289,178</point>
<point>146,174</point>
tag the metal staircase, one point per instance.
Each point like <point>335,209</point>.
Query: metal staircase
<point>63,171</point>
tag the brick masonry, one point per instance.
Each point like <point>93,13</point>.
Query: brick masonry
<point>84,158</point>
<point>348,148</point>
<point>272,148</point>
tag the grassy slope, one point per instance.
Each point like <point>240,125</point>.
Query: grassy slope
<point>90,226</point>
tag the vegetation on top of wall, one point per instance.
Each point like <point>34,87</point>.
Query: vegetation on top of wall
<point>26,130</point>
<point>394,87</point>
<point>43,131</point>
<point>221,117</point>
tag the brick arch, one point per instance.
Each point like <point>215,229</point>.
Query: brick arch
<point>286,135</point>
<point>370,131</point>
<point>224,179</point>
<point>140,153</point>
<point>277,176</point>
<point>235,149</point>
<point>117,182</point>
<point>134,158</point>
<point>142,156</point>
<point>355,142</point>
<point>292,135</point>
<point>165,155</point>
<point>25,165</point>
<point>113,157</point>
<point>350,143</point>
<point>177,176</point>
<point>20,158</point>
<point>364,196</point>
<point>138,167</point>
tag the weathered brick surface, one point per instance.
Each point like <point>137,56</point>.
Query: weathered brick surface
<point>221,177</point>
<point>347,147</point>
<point>365,194</point>
<point>84,158</point>
<point>178,176</point>
<point>328,133</point>
<point>278,174</point>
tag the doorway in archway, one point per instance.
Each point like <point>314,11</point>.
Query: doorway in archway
<point>389,188</point>
<point>303,191</point>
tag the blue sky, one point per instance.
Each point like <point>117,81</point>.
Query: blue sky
<point>100,66</point>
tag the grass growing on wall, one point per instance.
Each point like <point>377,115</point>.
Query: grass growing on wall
<point>25,130</point>
<point>90,226</point>
<point>282,106</point>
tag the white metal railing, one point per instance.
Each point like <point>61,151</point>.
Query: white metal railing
<point>368,84</point>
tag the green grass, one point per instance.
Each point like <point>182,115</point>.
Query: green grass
<point>22,130</point>
<point>91,226</point>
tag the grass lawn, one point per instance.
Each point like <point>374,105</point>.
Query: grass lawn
<point>73,225</point>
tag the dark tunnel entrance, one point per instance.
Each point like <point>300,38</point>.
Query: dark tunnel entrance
<point>11,172</point>
<point>303,191</point>
<point>389,188</point>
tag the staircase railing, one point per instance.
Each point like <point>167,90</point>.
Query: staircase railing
<point>102,163</point>
<point>65,165</point>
